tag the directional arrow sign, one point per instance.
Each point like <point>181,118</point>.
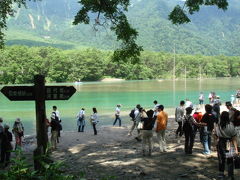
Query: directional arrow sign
<point>19,93</point>
<point>59,92</point>
<point>26,93</point>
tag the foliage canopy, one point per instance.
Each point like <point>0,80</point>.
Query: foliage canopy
<point>111,13</point>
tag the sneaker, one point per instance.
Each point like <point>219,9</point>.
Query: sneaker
<point>205,153</point>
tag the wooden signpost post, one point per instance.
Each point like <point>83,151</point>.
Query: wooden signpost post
<point>39,93</point>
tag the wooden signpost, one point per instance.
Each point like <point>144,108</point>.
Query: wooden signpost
<point>39,93</point>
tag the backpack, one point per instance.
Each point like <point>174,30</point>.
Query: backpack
<point>131,114</point>
<point>187,126</point>
<point>55,116</point>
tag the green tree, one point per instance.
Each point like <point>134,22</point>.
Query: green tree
<point>112,12</point>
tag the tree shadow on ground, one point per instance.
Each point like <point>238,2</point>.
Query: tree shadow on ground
<point>124,160</point>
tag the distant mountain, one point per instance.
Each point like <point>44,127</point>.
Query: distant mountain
<point>49,23</point>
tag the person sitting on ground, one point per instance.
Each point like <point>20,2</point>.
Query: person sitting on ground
<point>147,134</point>
<point>6,146</point>
<point>161,126</point>
<point>188,129</point>
<point>225,132</point>
<point>179,114</point>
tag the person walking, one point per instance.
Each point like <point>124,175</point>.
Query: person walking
<point>179,114</point>
<point>188,128</point>
<point>147,133</point>
<point>161,126</point>
<point>117,115</point>
<point>136,118</point>
<point>94,120</point>
<point>81,120</point>
<point>6,146</point>
<point>18,131</point>
<point>55,126</point>
<point>207,123</point>
<point>225,133</point>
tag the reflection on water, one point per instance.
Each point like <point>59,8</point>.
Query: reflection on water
<point>105,95</point>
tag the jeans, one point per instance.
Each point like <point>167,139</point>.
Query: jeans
<point>221,149</point>
<point>81,124</point>
<point>179,129</point>
<point>117,118</point>
<point>206,140</point>
<point>94,129</point>
<point>189,141</point>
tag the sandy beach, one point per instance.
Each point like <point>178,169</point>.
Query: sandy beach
<point>114,155</point>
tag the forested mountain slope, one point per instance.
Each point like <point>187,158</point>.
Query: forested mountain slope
<point>49,23</point>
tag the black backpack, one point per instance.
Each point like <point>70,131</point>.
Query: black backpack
<point>132,115</point>
<point>187,126</point>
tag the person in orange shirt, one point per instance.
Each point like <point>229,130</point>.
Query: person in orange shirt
<point>161,125</point>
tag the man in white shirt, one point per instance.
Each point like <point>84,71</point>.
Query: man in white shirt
<point>56,112</point>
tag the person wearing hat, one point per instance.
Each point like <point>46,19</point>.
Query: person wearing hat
<point>18,131</point>
<point>117,115</point>
<point>6,146</point>
<point>188,129</point>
